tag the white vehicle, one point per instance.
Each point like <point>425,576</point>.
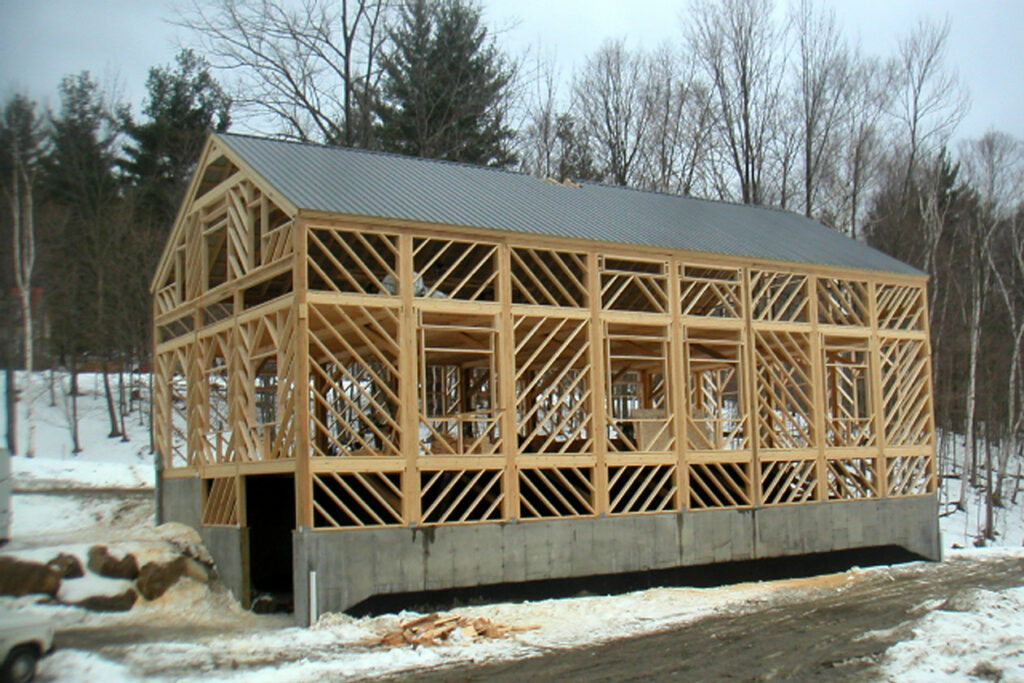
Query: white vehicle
<point>23,640</point>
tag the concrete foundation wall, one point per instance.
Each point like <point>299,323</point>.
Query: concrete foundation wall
<point>229,547</point>
<point>180,501</point>
<point>353,565</point>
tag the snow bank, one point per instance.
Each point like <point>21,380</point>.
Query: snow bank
<point>976,636</point>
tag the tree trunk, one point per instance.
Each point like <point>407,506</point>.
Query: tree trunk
<point>1016,486</point>
<point>122,405</point>
<point>115,429</point>
<point>11,401</point>
<point>989,529</point>
<point>76,445</point>
<point>1006,447</point>
<point>974,334</point>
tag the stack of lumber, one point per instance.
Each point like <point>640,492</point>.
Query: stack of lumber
<point>435,629</point>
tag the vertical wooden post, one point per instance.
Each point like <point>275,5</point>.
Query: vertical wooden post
<point>408,411</point>
<point>750,390</point>
<point>926,327</point>
<point>506,349</point>
<point>818,380</point>
<point>679,390</point>
<point>598,415</point>
<point>877,403</point>
<point>303,475</point>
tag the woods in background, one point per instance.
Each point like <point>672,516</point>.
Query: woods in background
<point>750,104</point>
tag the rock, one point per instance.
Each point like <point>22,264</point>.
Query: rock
<point>18,577</point>
<point>156,577</point>
<point>67,566</point>
<point>122,602</point>
<point>102,563</point>
<point>197,571</point>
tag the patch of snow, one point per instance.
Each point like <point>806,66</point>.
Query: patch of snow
<point>75,665</point>
<point>102,461</point>
<point>76,590</point>
<point>980,636</point>
<point>37,517</point>
<point>44,474</point>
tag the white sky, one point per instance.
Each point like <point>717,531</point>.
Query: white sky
<point>119,40</point>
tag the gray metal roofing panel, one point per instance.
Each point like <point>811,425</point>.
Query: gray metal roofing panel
<point>357,182</point>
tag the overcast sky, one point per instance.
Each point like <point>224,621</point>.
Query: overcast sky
<point>119,40</point>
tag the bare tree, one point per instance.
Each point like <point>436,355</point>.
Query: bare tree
<point>538,141</point>
<point>737,45</point>
<point>612,100</point>
<point>661,162</point>
<point>310,68</point>
<point>860,140</point>
<point>930,101</point>
<point>1010,285</point>
<point>823,74</point>
<point>21,139</point>
<point>992,167</point>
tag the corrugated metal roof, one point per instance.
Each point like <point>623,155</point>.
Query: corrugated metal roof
<point>358,182</point>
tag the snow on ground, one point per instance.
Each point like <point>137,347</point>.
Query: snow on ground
<point>342,646</point>
<point>963,528</point>
<point>42,519</point>
<point>68,511</point>
<point>103,462</point>
<point>976,637</point>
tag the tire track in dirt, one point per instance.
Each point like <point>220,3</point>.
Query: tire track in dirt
<point>834,634</point>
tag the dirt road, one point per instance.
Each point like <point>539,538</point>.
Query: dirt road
<point>834,633</point>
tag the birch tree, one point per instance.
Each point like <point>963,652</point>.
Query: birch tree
<point>993,166</point>
<point>21,141</point>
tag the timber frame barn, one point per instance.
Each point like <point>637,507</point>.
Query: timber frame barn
<point>378,374</point>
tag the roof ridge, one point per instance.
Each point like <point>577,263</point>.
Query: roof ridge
<point>374,152</point>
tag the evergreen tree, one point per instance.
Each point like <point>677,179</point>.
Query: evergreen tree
<point>82,271</point>
<point>184,105</point>
<point>446,87</point>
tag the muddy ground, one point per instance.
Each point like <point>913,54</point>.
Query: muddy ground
<point>833,632</point>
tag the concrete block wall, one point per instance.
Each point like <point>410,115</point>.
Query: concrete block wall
<point>180,501</point>
<point>353,565</point>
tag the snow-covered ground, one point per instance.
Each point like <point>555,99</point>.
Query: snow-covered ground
<point>978,637</point>
<point>62,507</point>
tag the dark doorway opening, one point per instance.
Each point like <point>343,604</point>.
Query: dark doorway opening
<point>270,513</point>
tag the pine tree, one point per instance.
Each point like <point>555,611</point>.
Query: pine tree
<point>83,288</point>
<point>446,87</point>
<point>184,105</point>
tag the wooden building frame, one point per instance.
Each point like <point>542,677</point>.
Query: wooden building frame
<point>409,374</point>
